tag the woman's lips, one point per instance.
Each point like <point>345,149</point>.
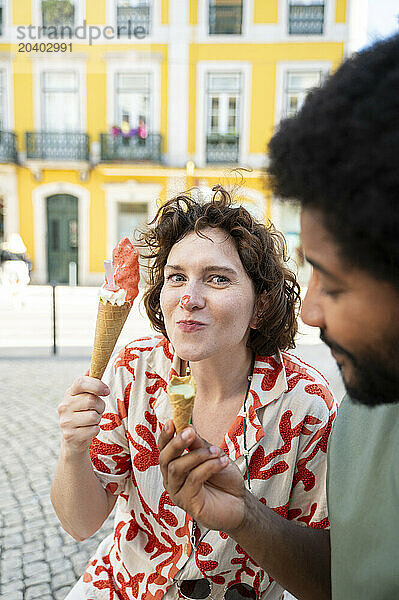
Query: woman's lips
<point>190,326</point>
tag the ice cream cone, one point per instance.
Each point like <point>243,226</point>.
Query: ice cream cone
<point>110,321</point>
<point>182,403</point>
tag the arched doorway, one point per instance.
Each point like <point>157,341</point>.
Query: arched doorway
<point>62,237</point>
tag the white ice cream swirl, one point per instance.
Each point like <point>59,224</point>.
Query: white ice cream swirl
<point>118,297</point>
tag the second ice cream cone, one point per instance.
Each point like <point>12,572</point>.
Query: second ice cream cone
<point>181,393</point>
<point>110,321</point>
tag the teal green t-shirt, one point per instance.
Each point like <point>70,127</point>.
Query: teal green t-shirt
<point>363,502</point>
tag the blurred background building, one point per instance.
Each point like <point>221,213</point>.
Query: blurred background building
<point>96,133</point>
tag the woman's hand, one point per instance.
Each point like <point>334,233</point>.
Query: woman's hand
<point>80,413</point>
<point>204,482</point>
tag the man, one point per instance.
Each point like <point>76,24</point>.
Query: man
<point>340,158</point>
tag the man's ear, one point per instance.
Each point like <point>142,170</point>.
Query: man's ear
<point>258,311</point>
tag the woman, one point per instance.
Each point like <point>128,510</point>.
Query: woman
<point>224,302</point>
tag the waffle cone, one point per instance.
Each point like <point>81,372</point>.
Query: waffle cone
<point>110,321</point>
<point>182,407</point>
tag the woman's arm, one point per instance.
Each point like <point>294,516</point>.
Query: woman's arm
<point>78,497</point>
<point>212,490</point>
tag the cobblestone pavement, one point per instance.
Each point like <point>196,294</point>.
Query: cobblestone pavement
<point>37,558</point>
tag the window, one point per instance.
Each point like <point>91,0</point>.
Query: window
<point>223,116</point>
<point>59,15</point>
<point>297,85</point>
<point>60,101</point>
<point>131,14</point>
<point>133,98</point>
<point>306,17</point>
<point>131,216</point>
<point>3,119</point>
<point>2,219</point>
<point>225,17</point>
<point>223,103</point>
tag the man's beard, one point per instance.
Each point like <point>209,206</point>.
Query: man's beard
<point>373,381</point>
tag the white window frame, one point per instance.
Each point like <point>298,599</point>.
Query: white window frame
<point>6,67</point>
<point>41,66</point>
<point>281,74</point>
<point>155,24</point>
<point>130,192</point>
<point>128,66</point>
<point>148,117</point>
<point>329,21</point>
<point>80,13</point>
<point>244,119</point>
<point>43,107</point>
<point>203,24</point>
<point>6,20</point>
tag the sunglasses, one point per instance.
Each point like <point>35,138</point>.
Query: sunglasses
<point>199,589</point>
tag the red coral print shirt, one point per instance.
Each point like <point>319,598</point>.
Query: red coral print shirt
<point>290,413</point>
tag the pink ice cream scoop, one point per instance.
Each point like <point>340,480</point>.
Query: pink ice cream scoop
<point>125,268</point>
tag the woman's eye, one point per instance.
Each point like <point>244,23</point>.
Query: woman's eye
<point>175,278</point>
<point>219,279</point>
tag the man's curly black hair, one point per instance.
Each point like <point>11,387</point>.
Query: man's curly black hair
<point>340,156</point>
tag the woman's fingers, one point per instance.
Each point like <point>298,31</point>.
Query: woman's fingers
<point>88,384</point>
<point>83,418</point>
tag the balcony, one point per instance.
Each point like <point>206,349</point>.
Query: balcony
<point>129,17</point>
<point>54,146</point>
<point>222,148</point>
<point>225,19</point>
<point>119,148</point>
<point>306,20</point>
<point>8,147</point>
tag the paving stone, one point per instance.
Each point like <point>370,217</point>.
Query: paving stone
<point>65,578</point>
<point>13,541</point>
<point>14,575</point>
<point>14,595</point>
<point>11,563</point>
<point>35,567</point>
<point>37,591</point>
<point>61,593</point>
<point>38,578</point>
<point>7,588</point>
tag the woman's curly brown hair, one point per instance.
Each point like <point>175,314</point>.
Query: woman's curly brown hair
<point>262,251</point>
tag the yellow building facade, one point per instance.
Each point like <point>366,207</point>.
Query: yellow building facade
<point>110,107</point>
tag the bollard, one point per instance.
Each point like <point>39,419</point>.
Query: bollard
<point>73,273</point>
<point>54,285</point>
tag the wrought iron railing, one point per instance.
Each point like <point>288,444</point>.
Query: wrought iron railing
<point>58,14</point>
<point>117,147</point>
<point>129,17</point>
<point>8,147</point>
<point>225,19</point>
<point>54,145</point>
<point>305,20</point>
<point>222,148</point>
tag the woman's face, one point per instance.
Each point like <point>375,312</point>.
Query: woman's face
<point>207,298</point>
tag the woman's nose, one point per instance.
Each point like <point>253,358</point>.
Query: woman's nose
<point>192,298</point>
<point>312,309</point>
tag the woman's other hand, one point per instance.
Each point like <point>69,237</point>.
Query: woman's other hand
<point>80,413</point>
<point>203,481</point>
